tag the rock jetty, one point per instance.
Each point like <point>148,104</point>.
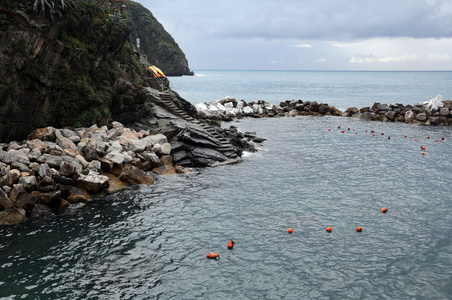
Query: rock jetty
<point>55,168</point>
<point>433,112</point>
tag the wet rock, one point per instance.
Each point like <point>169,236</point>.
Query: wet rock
<point>63,180</point>
<point>5,203</point>
<point>198,137</point>
<point>44,170</point>
<point>13,176</point>
<point>115,184</point>
<point>64,142</point>
<point>37,144</point>
<point>78,195</point>
<point>134,175</point>
<point>40,210</point>
<point>183,170</point>
<point>12,216</point>
<point>50,199</point>
<point>92,182</point>
<point>19,166</point>
<point>409,116</point>
<point>165,170</point>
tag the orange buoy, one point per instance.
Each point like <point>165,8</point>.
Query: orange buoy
<point>428,137</point>
<point>384,210</point>
<point>348,128</point>
<point>212,255</point>
<point>374,134</point>
<point>436,141</point>
<point>389,137</point>
<point>382,133</point>
<point>406,135</point>
<point>342,131</point>
<point>329,129</point>
<point>422,147</point>
<point>231,244</point>
<point>442,139</point>
<point>356,132</point>
<point>415,140</point>
<point>359,229</point>
<point>373,131</point>
<point>290,230</point>
<point>329,229</point>
<point>366,130</point>
<point>339,127</point>
<point>423,153</point>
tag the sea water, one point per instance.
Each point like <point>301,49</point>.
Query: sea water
<point>342,89</point>
<point>151,242</point>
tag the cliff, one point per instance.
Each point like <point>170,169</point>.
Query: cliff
<point>157,44</point>
<point>70,66</point>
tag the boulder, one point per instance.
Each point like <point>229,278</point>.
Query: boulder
<point>444,111</point>
<point>92,182</point>
<point>165,170</point>
<point>409,116</point>
<point>37,144</point>
<point>12,216</point>
<point>28,182</point>
<point>66,169</point>
<point>351,111</point>
<point>77,195</point>
<point>40,210</point>
<point>44,170</point>
<point>64,142</point>
<point>50,199</point>
<point>5,203</point>
<point>155,139</point>
<point>183,170</point>
<point>34,154</point>
<point>115,157</point>
<point>421,117</point>
<point>134,175</point>
<point>115,184</point>
<point>13,176</point>
<point>43,134</point>
<point>16,156</point>
<point>198,137</point>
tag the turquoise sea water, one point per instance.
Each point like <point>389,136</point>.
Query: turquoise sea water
<point>150,242</point>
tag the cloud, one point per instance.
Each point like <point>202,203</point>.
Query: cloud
<point>401,58</point>
<point>438,57</point>
<point>303,46</point>
<point>321,60</point>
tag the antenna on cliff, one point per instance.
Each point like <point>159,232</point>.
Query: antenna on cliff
<point>138,44</point>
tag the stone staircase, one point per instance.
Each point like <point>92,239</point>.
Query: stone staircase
<point>226,148</point>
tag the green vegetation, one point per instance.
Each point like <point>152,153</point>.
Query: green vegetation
<point>53,7</point>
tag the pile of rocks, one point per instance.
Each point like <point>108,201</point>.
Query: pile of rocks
<point>421,113</point>
<point>229,108</point>
<point>56,167</point>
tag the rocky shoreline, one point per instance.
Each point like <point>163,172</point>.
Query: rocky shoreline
<point>55,168</point>
<point>433,112</point>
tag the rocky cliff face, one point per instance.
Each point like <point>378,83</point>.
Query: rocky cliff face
<point>156,43</point>
<point>66,71</point>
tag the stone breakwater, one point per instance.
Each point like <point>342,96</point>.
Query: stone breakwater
<point>433,112</point>
<point>54,168</point>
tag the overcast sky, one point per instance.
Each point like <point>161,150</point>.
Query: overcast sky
<point>310,34</point>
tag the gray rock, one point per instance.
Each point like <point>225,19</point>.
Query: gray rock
<point>28,182</point>
<point>44,170</point>
<point>34,167</point>
<point>155,139</point>
<point>34,154</point>
<point>66,169</point>
<point>422,117</point>
<point>444,111</point>
<point>64,142</point>
<point>52,160</point>
<point>409,116</point>
<point>92,182</point>
<point>198,137</point>
<point>19,166</point>
<point>115,157</point>
<point>15,156</point>
<point>94,165</point>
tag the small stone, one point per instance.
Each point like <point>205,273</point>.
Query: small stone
<point>66,169</point>
<point>12,216</point>
<point>132,174</point>
<point>77,195</point>
<point>43,134</point>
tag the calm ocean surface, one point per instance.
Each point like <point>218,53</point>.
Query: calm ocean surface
<point>150,242</point>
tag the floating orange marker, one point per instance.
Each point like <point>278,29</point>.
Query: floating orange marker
<point>290,230</point>
<point>423,153</point>
<point>415,140</point>
<point>356,133</point>
<point>366,130</point>
<point>428,137</point>
<point>342,131</point>
<point>329,229</point>
<point>231,244</point>
<point>212,255</point>
<point>382,133</point>
<point>359,229</point>
<point>422,147</point>
<point>339,127</point>
<point>348,128</point>
<point>329,129</point>
<point>436,141</point>
<point>373,131</point>
<point>384,210</point>
<point>374,134</point>
<point>389,137</point>
<point>442,139</point>
<point>406,135</point>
